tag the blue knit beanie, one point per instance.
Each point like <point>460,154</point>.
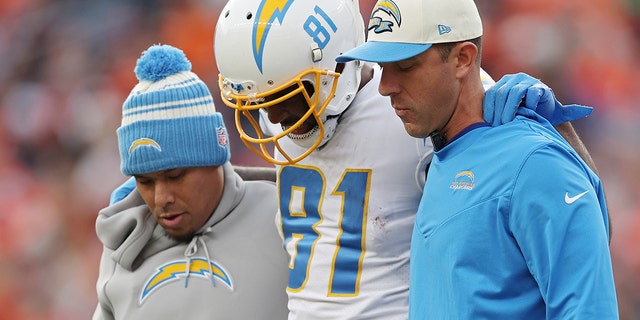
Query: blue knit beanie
<point>169,120</point>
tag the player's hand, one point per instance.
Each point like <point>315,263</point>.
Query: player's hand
<point>122,191</point>
<point>501,102</point>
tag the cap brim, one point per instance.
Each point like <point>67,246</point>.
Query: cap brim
<point>375,51</point>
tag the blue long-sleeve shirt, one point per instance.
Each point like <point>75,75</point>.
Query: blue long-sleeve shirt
<point>512,225</point>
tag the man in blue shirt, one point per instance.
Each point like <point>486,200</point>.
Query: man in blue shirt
<point>512,223</point>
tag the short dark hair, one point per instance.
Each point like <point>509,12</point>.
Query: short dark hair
<point>445,48</point>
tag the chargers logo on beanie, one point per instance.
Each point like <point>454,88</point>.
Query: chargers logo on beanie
<point>144,142</point>
<point>169,119</point>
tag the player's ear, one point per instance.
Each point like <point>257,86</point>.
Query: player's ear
<point>465,54</point>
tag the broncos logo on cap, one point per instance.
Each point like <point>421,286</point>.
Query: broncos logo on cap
<point>173,270</point>
<point>268,12</point>
<point>378,24</point>
<point>142,142</point>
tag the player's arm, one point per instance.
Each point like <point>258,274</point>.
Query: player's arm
<point>520,90</point>
<point>514,91</point>
<point>256,173</point>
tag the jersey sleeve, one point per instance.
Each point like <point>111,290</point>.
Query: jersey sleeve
<point>558,218</point>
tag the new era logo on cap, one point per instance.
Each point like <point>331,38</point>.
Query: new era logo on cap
<point>442,29</point>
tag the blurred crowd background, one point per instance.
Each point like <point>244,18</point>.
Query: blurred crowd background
<point>66,66</point>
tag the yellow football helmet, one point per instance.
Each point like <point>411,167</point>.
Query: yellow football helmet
<point>267,48</point>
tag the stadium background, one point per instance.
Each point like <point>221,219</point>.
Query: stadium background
<point>66,66</point>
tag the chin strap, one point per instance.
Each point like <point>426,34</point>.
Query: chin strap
<point>329,128</point>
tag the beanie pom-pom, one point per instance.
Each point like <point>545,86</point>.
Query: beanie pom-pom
<point>160,61</point>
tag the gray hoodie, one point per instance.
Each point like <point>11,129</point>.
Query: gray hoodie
<point>146,275</point>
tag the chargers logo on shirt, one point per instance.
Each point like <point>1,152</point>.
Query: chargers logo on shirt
<point>268,12</point>
<point>377,23</point>
<point>174,270</point>
<point>463,181</point>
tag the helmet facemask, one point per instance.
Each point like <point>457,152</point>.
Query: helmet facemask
<point>260,143</point>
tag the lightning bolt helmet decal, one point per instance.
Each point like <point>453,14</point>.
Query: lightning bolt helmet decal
<point>268,12</point>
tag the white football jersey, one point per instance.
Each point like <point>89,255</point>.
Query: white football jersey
<point>347,213</point>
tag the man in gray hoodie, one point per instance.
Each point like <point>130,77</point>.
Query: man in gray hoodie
<point>195,241</point>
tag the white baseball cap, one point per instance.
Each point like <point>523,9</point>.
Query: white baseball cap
<point>401,29</point>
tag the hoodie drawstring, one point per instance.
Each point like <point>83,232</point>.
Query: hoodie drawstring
<point>192,249</point>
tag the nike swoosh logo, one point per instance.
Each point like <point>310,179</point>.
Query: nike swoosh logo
<point>570,200</point>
